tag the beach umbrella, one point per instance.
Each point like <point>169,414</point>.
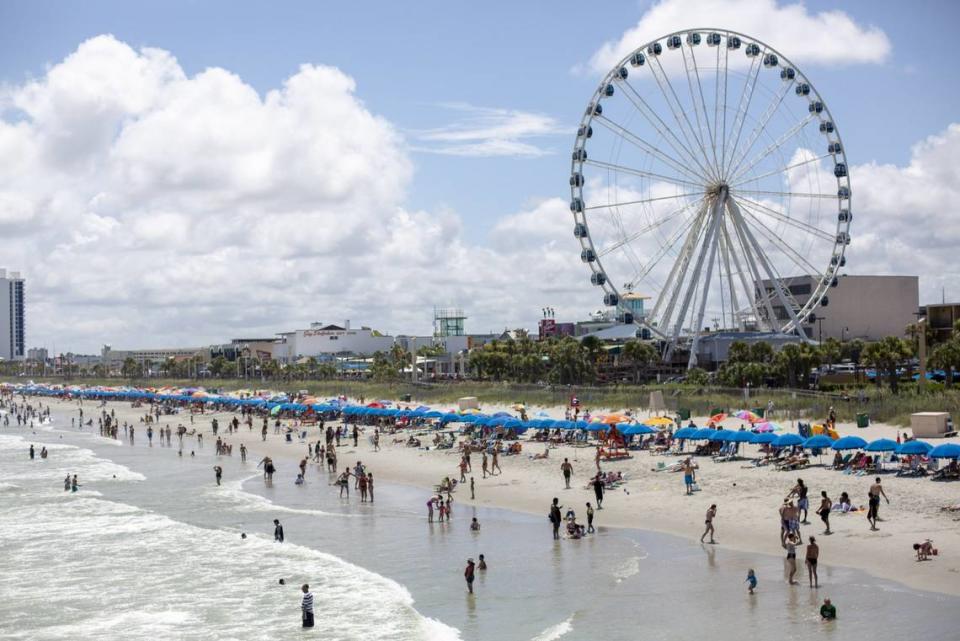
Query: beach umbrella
<point>596,427</point>
<point>658,421</point>
<point>881,445</point>
<point>786,440</point>
<point>512,424</point>
<point>849,443</point>
<point>685,432</point>
<point>914,447</point>
<point>820,441</point>
<point>742,436</point>
<point>563,424</point>
<point>452,418</point>
<point>631,429</point>
<point>581,425</point>
<point>747,415</point>
<point>766,426</point>
<point>765,437</point>
<point>613,419</point>
<point>433,414</point>
<point>702,434</point>
<point>946,450</point>
<point>718,418</point>
<point>721,435</point>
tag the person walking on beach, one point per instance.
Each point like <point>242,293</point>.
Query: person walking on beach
<point>598,489</point>
<point>344,482</point>
<point>711,513</point>
<point>567,470</point>
<point>495,467</point>
<point>370,485</point>
<point>590,518</point>
<point>243,453</point>
<point>463,469</point>
<point>824,510</point>
<point>813,555</point>
<point>688,475</point>
<point>356,435</point>
<point>790,545</point>
<point>555,517</point>
<point>800,491</point>
<point>596,459</point>
<point>473,495</point>
<point>218,471</point>
<point>873,496</point>
<point>277,531</point>
<point>263,431</point>
<point>483,464</point>
<point>469,575</point>
<point>306,606</point>
<point>751,581</point>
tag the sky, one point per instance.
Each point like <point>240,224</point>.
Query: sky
<point>181,173</point>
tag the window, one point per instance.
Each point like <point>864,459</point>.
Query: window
<point>800,290</point>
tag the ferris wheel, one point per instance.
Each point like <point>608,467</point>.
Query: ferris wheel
<point>709,175</point>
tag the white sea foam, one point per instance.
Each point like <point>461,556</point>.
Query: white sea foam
<point>233,493</point>
<point>554,632</point>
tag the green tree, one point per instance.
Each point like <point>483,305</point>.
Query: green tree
<point>886,356</point>
<point>640,355</point>
<point>570,363</point>
<point>795,360</point>
<point>697,376</point>
<point>383,368</point>
<point>131,369</point>
<point>831,350</point>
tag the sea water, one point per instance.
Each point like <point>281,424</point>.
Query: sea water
<point>150,548</point>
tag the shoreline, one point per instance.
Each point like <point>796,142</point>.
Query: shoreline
<point>748,499</point>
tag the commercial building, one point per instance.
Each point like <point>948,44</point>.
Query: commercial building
<point>114,358</point>
<point>38,354</point>
<point>327,340</point>
<point>865,307</point>
<point>12,333</point>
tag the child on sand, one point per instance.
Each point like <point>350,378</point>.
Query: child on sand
<point>751,581</point>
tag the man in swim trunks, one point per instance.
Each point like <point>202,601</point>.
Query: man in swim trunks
<point>800,491</point>
<point>468,574</point>
<point>567,470</point>
<point>711,513</point>
<point>824,510</point>
<point>688,475</point>
<point>873,511</point>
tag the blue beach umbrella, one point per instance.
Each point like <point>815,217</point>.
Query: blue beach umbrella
<point>947,450</point>
<point>881,445</point>
<point>914,447</point>
<point>685,432</point>
<point>742,437</point>
<point>721,435</point>
<point>581,425</point>
<point>764,438</point>
<point>820,441</point>
<point>596,427</point>
<point>786,440</point>
<point>433,414</point>
<point>452,418</point>
<point>849,443</point>
<point>702,434</point>
<point>631,430</point>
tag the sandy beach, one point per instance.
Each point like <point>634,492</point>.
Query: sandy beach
<point>748,498</point>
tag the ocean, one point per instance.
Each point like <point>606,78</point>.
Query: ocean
<point>150,547</point>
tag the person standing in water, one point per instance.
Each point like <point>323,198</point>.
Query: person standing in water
<point>277,531</point>
<point>469,575</point>
<point>813,555</point>
<point>243,453</point>
<point>473,495</point>
<point>66,483</point>
<point>556,518</point>
<point>218,471</point>
<point>590,518</point>
<point>567,470</point>
<point>73,484</point>
<point>32,454</point>
<point>306,606</point>
<point>370,485</point>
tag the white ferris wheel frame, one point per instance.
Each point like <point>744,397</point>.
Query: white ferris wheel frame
<point>758,267</point>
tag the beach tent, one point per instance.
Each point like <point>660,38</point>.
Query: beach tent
<point>849,443</point>
<point>914,447</point>
<point>881,445</point>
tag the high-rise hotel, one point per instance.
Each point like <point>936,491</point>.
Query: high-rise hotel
<point>12,342</point>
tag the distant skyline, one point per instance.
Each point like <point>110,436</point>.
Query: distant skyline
<point>180,173</point>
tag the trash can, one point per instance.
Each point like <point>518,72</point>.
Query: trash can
<point>863,420</point>
<point>683,414</point>
<point>406,398</point>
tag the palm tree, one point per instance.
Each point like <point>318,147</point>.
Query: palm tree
<point>640,355</point>
<point>886,355</point>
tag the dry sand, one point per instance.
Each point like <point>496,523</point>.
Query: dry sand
<point>748,498</point>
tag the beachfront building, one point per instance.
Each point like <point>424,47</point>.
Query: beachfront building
<point>323,341</point>
<point>941,318</point>
<point>12,333</point>
<point>113,359</point>
<point>865,307</point>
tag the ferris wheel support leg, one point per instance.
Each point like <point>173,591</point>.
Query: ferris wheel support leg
<point>762,257</point>
<point>678,275</point>
<point>748,290</point>
<point>717,217</point>
<point>708,242</point>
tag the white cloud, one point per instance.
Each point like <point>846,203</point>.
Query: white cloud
<point>485,132</point>
<point>150,207</point>
<point>805,37</point>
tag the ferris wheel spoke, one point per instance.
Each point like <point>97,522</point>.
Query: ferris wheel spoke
<point>639,172</point>
<point>754,273</point>
<point>669,290</point>
<point>644,200</point>
<point>774,146</point>
<point>742,115</point>
<point>781,170</point>
<point>663,129</point>
<point>703,103</point>
<point>723,136</point>
<point>799,224</point>
<point>627,239</point>
<point>644,270</point>
<point>679,105</point>
<point>795,256</point>
<point>792,194</point>
<point>731,290</point>
<point>713,243</point>
<point>773,277</point>
<point>642,144</point>
<point>760,126</point>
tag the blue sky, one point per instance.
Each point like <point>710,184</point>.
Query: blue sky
<point>408,58</point>
<point>486,227</point>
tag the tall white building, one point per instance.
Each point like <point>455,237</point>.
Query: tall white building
<point>12,338</point>
<point>330,340</point>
